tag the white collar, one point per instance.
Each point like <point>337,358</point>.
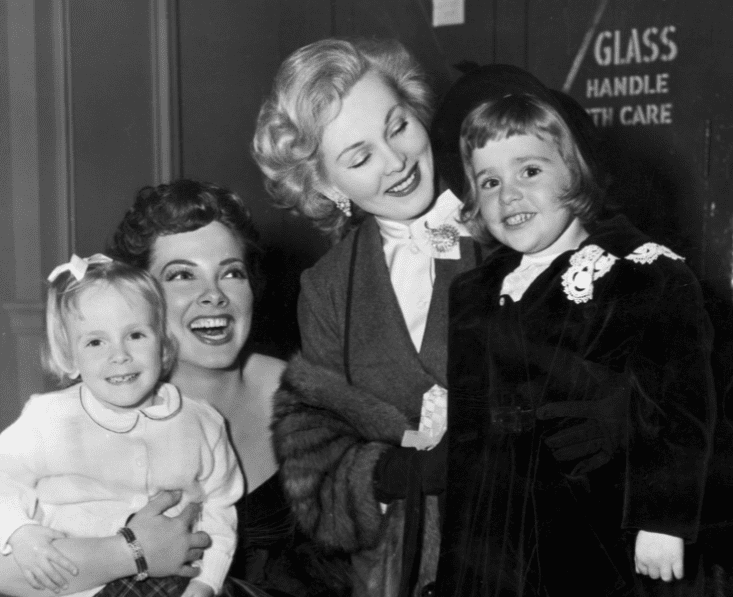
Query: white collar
<point>436,232</point>
<point>569,240</point>
<point>167,403</point>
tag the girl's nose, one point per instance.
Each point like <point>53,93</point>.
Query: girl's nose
<point>120,353</point>
<point>510,193</point>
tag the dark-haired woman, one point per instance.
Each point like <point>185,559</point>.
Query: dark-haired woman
<point>198,240</point>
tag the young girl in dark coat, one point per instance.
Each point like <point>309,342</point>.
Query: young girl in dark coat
<point>580,393</point>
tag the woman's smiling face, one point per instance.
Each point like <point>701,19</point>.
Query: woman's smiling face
<point>377,153</point>
<point>208,295</point>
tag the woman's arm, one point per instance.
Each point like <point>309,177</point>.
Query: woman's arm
<point>330,434</point>
<point>319,319</point>
<point>168,544</point>
<point>328,437</point>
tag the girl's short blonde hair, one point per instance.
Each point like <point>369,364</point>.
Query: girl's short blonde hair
<point>306,95</point>
<point>63,300</point>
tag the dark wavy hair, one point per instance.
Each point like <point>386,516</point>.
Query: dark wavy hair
<point>184,206</point>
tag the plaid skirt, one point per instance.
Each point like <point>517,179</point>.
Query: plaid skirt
<point>173,586</point>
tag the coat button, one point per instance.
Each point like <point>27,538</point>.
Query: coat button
<point>428,590</point>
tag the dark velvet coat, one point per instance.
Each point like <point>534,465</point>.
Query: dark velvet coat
<point>617,334</point>
<point>328,433</point>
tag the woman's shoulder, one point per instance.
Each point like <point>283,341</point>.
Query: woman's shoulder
<point>265,364</point>
<point>263,372</point>
<point>336,261</point>
<point>195,409</point>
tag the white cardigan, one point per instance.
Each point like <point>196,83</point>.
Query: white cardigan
<point>74,465</point>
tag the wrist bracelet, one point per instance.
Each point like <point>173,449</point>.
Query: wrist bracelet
<point>137,552</point>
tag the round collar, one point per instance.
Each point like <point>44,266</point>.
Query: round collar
<point>166,404</point>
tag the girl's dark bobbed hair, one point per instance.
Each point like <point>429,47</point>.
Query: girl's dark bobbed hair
<point>481,84</point>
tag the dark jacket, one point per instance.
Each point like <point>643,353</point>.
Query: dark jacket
<point>613,334</point>
<point>328,433</point>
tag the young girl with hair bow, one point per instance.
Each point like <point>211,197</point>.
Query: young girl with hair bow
<point>82,460</point>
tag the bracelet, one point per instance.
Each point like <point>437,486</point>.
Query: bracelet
<point>137,552</point>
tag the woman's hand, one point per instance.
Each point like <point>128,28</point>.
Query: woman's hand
<point>39,561</point>
<point>198,589</point>
<point>659,556</point>
<point>168,543</point>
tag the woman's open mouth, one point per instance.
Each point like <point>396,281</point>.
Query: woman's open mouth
<point>213,330</point>
<point>516,220</point>
<point>407,184</point>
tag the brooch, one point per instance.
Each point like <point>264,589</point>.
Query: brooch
<point>442,238</point>
<point>586,266</point>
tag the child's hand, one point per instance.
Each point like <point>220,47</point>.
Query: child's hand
<point>40,562</point>
<point>659,555</point>
<point>198,589</point>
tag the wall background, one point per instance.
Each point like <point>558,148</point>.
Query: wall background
<point>99,97</point>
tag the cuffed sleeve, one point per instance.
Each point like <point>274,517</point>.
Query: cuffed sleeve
<point>672,411</point>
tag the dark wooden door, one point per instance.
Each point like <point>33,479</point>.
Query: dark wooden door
<point>656,76</point>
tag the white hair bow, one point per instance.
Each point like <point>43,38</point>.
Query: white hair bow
<point>77,266</point>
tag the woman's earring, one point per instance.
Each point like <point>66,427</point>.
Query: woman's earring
<point>342,202</point>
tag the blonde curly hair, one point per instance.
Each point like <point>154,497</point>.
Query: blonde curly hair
<point>305,97</point>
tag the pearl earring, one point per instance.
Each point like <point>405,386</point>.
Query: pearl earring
<point>342,202</point>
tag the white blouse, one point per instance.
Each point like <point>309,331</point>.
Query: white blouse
<point>411,247</point>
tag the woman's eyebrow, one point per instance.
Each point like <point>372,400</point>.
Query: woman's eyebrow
<point>389,113</point>
<point>179,262</point>
<point>358,144</point>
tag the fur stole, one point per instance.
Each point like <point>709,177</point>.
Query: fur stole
<point>328,436</point>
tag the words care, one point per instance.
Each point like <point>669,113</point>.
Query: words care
<point>638,47</point>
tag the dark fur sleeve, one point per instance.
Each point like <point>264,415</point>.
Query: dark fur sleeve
<point>328,437</point>
<point>673,409</point>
